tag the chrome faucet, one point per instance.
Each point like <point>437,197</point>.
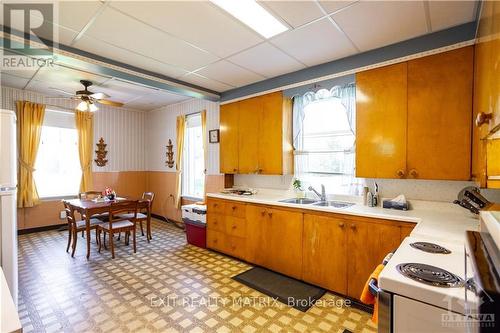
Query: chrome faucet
<point>323,192</point>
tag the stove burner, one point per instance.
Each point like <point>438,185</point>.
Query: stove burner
<point>430,247</point>
<point>430,275</point>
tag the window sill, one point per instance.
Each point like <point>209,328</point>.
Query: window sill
<point>59,197</point>
<point>187,197</point>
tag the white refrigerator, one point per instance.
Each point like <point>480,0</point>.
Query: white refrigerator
<point>8,199</point>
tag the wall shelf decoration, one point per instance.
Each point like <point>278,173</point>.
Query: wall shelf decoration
<point>101,153</point>
<point>170,154</point>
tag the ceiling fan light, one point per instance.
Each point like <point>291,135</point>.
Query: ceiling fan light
<point>92,107</point>
<point>82,106</point>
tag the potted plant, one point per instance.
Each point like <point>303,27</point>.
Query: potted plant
<point>297,187</point>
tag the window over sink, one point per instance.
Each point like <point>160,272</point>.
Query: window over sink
<point>324,139</point>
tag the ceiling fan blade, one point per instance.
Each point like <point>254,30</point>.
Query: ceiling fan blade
<point>99,95</point>
<point>62,91</point>
<point>59,98</point>
<point>108,102</point>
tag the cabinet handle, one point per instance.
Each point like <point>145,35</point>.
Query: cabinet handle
<point>341,224</point>
<point>483,118</point>
<point>215,222</point>
<point>413,173</point>
<point>234,227</point>
<point>234,207</point>
<point>400,173</point>
<point>270,214</point>
<point>215,240</point>
<point>353,226</point>
<point>235,170</point>
<point>215,205</point>
<point>262,213</point>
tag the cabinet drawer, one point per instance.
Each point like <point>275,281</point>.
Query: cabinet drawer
<point>235,209</point>
<point>215,206</point>
<point>216,240</point>
<point>235,226</point>
<point>235,246</point>
<point>216,222</point>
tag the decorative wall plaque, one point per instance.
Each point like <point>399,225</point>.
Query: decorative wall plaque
<point>170,154</point>
<point>101,153</point>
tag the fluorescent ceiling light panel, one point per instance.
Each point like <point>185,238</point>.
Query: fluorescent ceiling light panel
<point>253,15</point>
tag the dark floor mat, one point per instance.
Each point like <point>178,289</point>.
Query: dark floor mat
<point>289,291</point>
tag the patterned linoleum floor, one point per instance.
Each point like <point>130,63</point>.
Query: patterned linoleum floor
<point>167,286</point>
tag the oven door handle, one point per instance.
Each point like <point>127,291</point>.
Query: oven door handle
<point>373,284</point>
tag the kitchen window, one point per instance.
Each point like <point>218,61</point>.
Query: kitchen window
<point>324,139</point>
<point>193,179</point>
<point>57,167</point>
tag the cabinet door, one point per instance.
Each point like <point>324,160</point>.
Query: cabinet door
<point>440,115</point>
<point>368,244</point>
<point>284,243</point>
<point>229,114</point>
<point>381,122</point>
<point>274,239</point>
<point>325,252</point>
<point>248,135</point>
<point>271,135</point>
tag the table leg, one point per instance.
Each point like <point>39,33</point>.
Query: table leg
<point>87,229</point>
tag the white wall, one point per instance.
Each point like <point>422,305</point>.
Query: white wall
<point>122,129</point>
<point>161,126</point>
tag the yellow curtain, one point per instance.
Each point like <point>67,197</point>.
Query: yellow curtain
<point>85,129</point>
<point>30,121</point>
<point>205,152</point>
<point>181,124</point>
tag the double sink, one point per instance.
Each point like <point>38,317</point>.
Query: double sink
<point>307,201</point>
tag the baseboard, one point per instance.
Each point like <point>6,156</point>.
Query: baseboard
<point>40,229</point>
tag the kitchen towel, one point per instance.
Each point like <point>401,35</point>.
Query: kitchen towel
<point>367,297</point>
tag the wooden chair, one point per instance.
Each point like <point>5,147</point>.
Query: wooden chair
<point>117,223</point>
<point>75,226</point>
<point>144,214</point>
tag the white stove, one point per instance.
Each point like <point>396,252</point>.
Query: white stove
<point>423,288</point>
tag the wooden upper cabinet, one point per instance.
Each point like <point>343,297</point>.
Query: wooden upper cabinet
<point>248,140</point>
<point>413,119</point>
<point>440,115</point>
<point>381,122</point>
<point>229,118</point>
<point>485,158</point>
<point>257,137</point>
<point>271,134</point>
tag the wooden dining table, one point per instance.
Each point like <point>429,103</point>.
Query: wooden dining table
<point>88,208</point>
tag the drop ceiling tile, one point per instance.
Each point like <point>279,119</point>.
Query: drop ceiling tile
<point>446,14</point>
<point>76,14</point>
<point>155,100</point>
<point>276,62</point>
<point>315,43</point>
<point>13,81</point>
<point>122,91</point>
<point>295,13</point>
<point>331,6</point>
<point>373,24</point>
<point>21,73</point>
<point>207,83</point>
<point>66,79</point>
<point>226,72</point>
<point>123,31</point>
<point>198,22</point>
<point>124,56</point>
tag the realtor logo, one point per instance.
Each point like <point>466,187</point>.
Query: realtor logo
<point>29,35</point>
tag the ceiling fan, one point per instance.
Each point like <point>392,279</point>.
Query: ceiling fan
<point>88,99</point>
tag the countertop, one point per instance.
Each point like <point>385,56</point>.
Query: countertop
<point>434,220</point>
<point>9,318</point>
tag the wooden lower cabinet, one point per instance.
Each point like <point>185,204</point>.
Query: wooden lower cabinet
<point>368,243</point>
<point>340,253</point>
<point>274,239</point>
<point>334,251</point>
<point>325,252</point>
